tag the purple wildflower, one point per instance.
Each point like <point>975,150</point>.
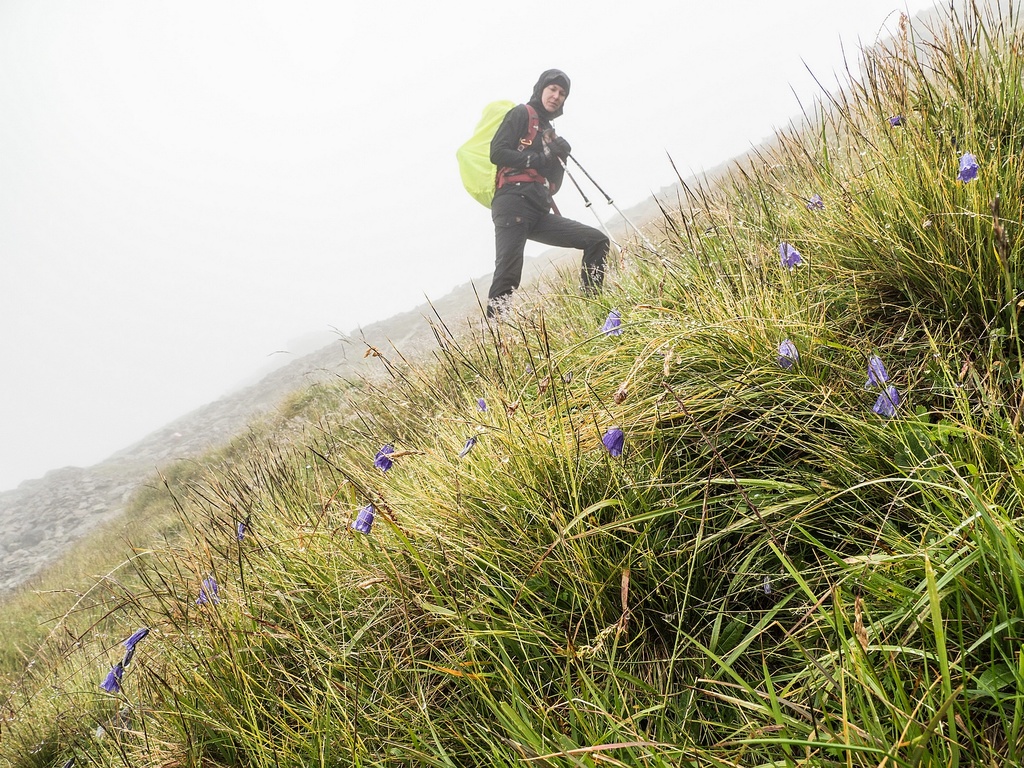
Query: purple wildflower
<point>613,324</point>
<point>136,636</point>
<point>112,682</point>
<point>130,643</point>
<point>815,203</point>
<point>364,519</point>
<point>789,256</point>
<point>481,404</point>
<point>208,592</point>
<point>467,447</point>
<point>243,526</point>
<point>788,356</point>
<point>885,405</point>
<point>614,440</point>
<point>767,585</point>
<point>381,460</point>
<point>968,168</point>
<point>896,120</point>
<point>877,375</point>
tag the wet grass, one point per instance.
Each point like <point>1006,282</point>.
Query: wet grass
<point>770,573</point>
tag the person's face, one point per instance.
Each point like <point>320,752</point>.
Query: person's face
<point>553,97</point>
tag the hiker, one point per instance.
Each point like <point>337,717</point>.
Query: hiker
<point>530,157</point>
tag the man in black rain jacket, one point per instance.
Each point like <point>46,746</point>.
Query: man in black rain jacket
<point>530,171</point>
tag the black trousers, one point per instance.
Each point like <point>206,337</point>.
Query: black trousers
<point>517,219</point>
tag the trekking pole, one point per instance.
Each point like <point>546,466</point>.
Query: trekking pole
<point>611,202</point>
<point>587,203</point>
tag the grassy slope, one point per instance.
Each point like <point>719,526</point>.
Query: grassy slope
<point>770,573</point>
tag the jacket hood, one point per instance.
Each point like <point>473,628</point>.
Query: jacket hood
<point>547,78</point>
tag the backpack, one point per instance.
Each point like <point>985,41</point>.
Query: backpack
<point>479,174</point>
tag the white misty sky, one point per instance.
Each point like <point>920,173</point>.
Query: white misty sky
<point>188,187</point>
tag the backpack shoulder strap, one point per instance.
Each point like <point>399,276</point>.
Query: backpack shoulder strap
<point>533,127</point>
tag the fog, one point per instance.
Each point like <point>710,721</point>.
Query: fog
<point>195,191</point>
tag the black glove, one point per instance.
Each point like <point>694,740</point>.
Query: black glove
<point>537,160</point>
<point>560,147</point>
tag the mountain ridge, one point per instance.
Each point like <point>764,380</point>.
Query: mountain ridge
<point>42,517</point>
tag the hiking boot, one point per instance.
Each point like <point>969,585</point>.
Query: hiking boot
<point>499,308</point>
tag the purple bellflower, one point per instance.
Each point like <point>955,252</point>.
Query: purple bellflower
<point>896,120</point>
<point>208,592</point>
<point>481,404</point>
<point>243,526</point>
<point>136,636</point>
<point>767,584</point>
<point>877,375</point>
<point>130,644</point>
<point>467,447</point>
<point>613,324</point>
<point>112,682</point>
<point>885,405</point>
<point>788,356</point>
<point>968,168</point>
<point>614,440</point>
<point>381,460</point>
<point>364,519</point>
<point>789,256</point>
<point>815,203</point>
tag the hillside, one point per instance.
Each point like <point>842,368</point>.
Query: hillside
<point>41,518</point>
<point>760,502</point>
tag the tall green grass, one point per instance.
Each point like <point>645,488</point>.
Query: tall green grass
<point>769,574</point>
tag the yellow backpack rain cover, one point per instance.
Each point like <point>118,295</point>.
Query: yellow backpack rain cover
<point>475,166</point>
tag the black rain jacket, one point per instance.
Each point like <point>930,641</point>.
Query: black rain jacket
<point>505,151</point>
